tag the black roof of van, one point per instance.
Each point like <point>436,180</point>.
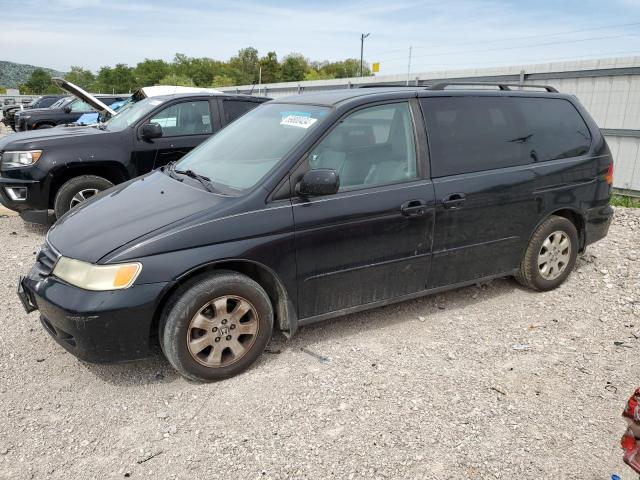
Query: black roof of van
<point>335,97</point>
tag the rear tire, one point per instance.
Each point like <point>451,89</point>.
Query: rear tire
<point>75,191</point>
<point>550,255</point>
<point>216,325</point>
<point>42,126</point>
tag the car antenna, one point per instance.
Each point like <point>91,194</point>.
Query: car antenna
<point>253,85</point>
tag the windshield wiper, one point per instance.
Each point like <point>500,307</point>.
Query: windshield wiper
<point>205,181</point>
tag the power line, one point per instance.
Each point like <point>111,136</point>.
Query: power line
<point>500,49</point>
<point>527,37</point>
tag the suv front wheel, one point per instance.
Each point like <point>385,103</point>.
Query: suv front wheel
<point>550,255</point>
<point>77,190</point>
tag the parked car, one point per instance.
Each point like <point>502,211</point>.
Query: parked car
<point>630,442</point>
<point>60,167</point>
<point>94,117</point>
<point>68,113</point>
<point>45,101</point>
<point>314,206</point>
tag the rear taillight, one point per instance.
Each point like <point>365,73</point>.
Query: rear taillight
<point>609,176</point>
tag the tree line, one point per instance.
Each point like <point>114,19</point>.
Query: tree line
<point>245,68</point>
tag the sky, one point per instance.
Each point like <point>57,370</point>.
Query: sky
<point>444,34</point>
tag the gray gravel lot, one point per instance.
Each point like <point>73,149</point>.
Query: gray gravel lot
<point>490,381</point>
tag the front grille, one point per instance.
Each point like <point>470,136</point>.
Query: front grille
<point>46,259</point>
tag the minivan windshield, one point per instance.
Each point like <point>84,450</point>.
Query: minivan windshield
<point>241,154</point>
<point>130,113</point>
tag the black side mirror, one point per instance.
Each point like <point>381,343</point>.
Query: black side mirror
<point>67,109</point>
<point>151,130</point>
<point>318,182</point>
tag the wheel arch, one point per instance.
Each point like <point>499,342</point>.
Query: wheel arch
<point>574,216</point>
<point>112,171</point>
<point>263,275</point>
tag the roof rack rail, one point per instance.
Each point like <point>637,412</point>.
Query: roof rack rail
<point>388,85</point>
<point>501,86</point>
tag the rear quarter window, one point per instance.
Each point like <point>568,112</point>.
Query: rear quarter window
<point>554,129</point>
<point>471,134</point>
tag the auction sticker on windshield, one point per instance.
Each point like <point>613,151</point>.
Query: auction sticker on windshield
<point>297,119</point>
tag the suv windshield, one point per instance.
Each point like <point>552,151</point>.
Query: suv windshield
<point>130,113</point>
<point>241,154</point>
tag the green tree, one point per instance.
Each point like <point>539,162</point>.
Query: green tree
<point>246,64</point>
<point>270,68</point>
<point>179,80</point>
<point>119,79</point>
<point>223,81</point>
<point>39,82</point>
<point>150,72</point>
<point>313,74</point>
<point>294,67</point>
<point>81,77</point>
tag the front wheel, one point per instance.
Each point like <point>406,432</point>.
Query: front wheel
<point>550,255</point>
<point>75,191</point>
<point>216,326</point>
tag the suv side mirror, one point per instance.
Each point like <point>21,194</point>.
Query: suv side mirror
<point>67,109</point>
<point>324,181</point>
<point>151,130</point>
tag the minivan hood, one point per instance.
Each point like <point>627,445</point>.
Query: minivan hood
<point>38,138</point>
<point>126,212</point>
<point>81,94</point>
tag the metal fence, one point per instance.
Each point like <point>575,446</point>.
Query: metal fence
<point>608,88</point>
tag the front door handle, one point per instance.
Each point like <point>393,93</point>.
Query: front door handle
<point>414,208</point>
<point>455,200</point>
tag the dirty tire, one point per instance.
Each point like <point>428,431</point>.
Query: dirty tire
<point>529,274</point>
<point>43,126</point>
<point>70,189</point>
<point>175,329</point>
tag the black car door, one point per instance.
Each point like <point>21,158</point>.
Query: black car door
<point>371,241</point>
<point>483,186</point>
<point>185,125</point>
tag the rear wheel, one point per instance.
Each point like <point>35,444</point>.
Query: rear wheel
<point>75,191</point>
<point>43,125</point>
<point>550,255</point>
<point>216,326</point>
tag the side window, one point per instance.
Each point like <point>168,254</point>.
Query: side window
<point>80,106</point>
<point>553,129</point>
<point>236,108</point>
<point>188,118</point>
<point>47,102</point>
<point>471,134</point>
<point>373,146</point>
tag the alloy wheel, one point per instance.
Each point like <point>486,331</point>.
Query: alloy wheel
<point>222,331</point>
<point>554,255</point>
<point>82,195</point>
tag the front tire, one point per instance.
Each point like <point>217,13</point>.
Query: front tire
<point>550,255</point>
<point>216,325</point>
<point>77,190</point>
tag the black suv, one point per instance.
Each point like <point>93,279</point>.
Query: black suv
<point>317,205</point>
<point>45,101</point>
<point>60,167</point>
<point>66,112</point>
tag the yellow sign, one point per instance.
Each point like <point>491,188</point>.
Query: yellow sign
<point>375,68</point>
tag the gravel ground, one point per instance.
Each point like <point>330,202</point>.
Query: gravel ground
<point>490,381</point>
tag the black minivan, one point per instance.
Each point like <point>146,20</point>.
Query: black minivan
<point>317,205</point>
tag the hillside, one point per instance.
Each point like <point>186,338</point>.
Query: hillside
<point>14,74</point>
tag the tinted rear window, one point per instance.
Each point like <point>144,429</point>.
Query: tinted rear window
<point>236,108</point>
<point>470,134</point>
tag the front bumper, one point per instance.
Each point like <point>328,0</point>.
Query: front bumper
<point>97,327</point>
<point>36,198</point>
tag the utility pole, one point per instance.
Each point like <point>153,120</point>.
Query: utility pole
<point>409,67</point>
<point>362,37</point>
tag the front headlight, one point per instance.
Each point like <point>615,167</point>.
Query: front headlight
<point>20,159</point>
<point>97,277</point>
